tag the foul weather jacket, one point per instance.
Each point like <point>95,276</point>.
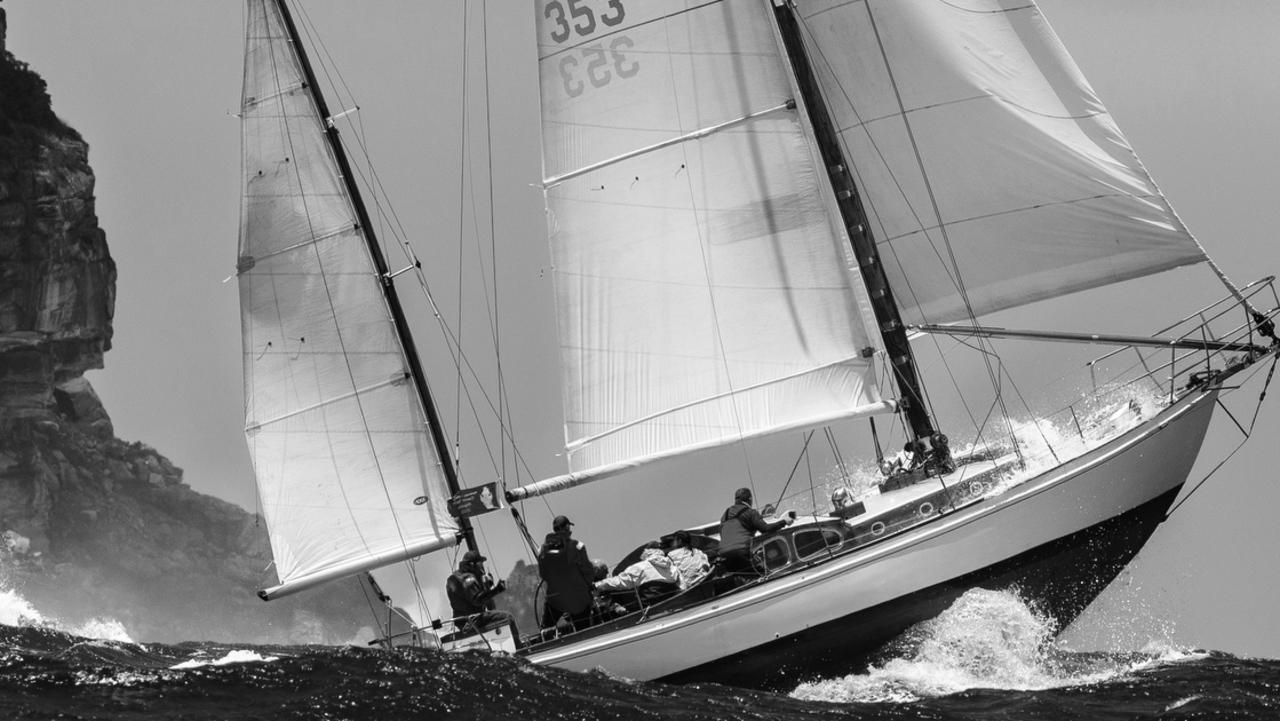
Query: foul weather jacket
<point>568,573</point>
<point>739,524</point>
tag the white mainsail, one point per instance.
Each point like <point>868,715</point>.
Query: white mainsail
<point>704,292</point>
<point>984,159</point>
<point>336,428</point>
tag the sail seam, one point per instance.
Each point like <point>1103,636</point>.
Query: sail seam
<point>1001,11</point>
<point>694,135</point>
<point>985,96</point>
<point>1012,211</point>
<point>579,443</point>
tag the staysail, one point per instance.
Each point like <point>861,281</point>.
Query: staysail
<point>991,173</point>
<point>704,293</point>
<point>348,474</point>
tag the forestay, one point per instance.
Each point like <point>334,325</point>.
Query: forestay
<point>336,429</point>
<point>986,163</point>
<point>703,292</point>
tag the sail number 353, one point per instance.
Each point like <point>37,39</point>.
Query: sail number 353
<point>577,15</point>
<point>594,65</point>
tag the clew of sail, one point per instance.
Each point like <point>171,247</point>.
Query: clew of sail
<point>704,294</point>
<point>336,428</point>
<point>991,173</point>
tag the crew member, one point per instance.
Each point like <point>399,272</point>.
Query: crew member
<point>691,563</point>
<point>471,593</point>
<point>568,574</point>
<point>738,526</point>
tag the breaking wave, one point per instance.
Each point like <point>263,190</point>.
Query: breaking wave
<point>17,611</point>
<point>985,640</point>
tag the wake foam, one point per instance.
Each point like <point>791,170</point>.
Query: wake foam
<point>985,640</point>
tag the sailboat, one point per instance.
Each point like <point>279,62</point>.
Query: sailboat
<point>757,211</point>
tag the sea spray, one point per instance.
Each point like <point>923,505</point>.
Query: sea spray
<point>985,640</point>
<point>1037,446</point>
<point>17,611</point>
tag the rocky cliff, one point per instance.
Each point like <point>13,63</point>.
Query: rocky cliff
<point>92,526</point>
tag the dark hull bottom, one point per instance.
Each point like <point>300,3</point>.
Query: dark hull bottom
<point>1061,577</point>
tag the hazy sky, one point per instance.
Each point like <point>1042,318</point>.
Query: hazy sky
<point>151,84</point>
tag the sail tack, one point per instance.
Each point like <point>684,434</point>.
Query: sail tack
<point>336,429</point>
<point>703,292</point>
<point>990,172</point>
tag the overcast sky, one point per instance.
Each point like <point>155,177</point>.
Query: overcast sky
<point>151,84</point>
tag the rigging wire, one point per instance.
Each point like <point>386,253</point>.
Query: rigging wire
<point>503,407</point>
<point>387,214</point>
<point>378,194</point>
<point>1247,433</point>
<point>706,268</point>
<point>956,281</point>
<point>287,137</point>
<point>804,452</point>
<point>462,192</point>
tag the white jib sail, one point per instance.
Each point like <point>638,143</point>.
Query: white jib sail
<point>704,292</point>
<point>984,159</point>
<point>336,429</point>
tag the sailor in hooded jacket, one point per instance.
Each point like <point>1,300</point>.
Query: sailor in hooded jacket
<point>568,574</point>
<point>738,526</point>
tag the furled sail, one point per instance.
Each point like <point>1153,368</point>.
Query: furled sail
<point>704,293</point>
<point>991,174</point>
<point>335,426</point>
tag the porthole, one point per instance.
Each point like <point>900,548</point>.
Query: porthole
<point>926,509</point>
<point>877,528</point>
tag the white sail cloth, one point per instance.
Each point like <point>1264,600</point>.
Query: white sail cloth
<point>704,293</point>
<point>984,159</point>
<point>336,429</point>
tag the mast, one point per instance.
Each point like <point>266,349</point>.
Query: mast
<point>380,264</point>
<point>855,222</point>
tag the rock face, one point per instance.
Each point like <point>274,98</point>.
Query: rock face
<point>57,280</point>
<point>92,526</point>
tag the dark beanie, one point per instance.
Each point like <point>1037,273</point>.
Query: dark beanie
<point>742,495</point>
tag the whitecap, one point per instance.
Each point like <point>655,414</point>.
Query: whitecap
<point>235,656</point>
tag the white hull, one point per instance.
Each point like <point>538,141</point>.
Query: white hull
<point>754,628</point>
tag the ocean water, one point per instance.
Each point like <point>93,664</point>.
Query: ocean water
<point>989,656</point>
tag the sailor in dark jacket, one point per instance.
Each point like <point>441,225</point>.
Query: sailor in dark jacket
<point>471,594</point>
<point>738,526</point>
<point>568,574</point>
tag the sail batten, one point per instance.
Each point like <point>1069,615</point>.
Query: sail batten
<point>991,173</point>
<point>686,137</point>
<point>348,473</point>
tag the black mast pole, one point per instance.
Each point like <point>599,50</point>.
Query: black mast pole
<point>380,264</point>
<point>897,346</point>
